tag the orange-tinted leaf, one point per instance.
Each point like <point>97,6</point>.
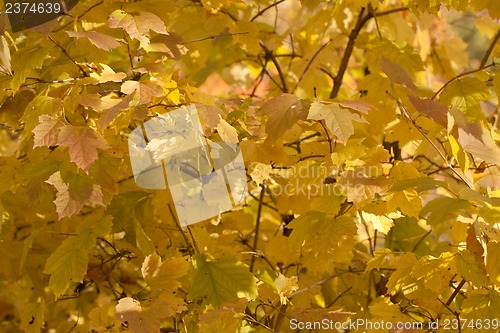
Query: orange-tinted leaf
<point>46,132</point>
<point>82,142</point>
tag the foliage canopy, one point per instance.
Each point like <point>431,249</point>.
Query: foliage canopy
<point>369,131</point>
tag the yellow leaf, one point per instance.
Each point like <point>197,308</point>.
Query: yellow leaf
<point>337,119</point>
<point>380,222</point>
<point>227,132</point>
<point>221,280</point>
<point>24,61</point>
<point>145,91</point>
<point>138,26</point>
<point>69,261</point>
<point>166,275</point>
<point>493,262</point>
<point>32,317</point>
<point>73,192</point>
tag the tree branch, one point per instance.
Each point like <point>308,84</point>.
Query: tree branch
<point>84,73</point>
<point>271,56</point>
<point>362,19</point>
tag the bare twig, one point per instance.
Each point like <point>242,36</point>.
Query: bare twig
<point>271,56</point>
<point>407,114</point>
<point>265,9</point>
<point>493,43</point>
<point>213,37</point>
<point>461,75</point>
<point>361,21</point>
<point>257,224</point>
<point>84,73</point>
<point>310,62</point>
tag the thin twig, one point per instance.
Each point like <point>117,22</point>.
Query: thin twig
<point>361,21</point>
<point>407,114</point>
<point>490,49</point>
<point>79,17</point>
<point>257,225</point>
<point>461,75</point>
<point>265,9</point>
<point>84,73</point>
<point>271,56</point>
<point>213,37</point>
<point>310,62</point>
<point>455,292</point>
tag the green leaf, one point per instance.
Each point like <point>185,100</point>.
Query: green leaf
<point>221,280</point>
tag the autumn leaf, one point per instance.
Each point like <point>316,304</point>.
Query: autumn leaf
<point>73,193</point>
<point>100,40</point>
<point>46,132</point>
<point>337,119</point>
<point>283,111</point>
<point>221,280</point>
<point>82,143</point>
<point>145,91</point>
<point>137,26</point>
<point>69,261</point>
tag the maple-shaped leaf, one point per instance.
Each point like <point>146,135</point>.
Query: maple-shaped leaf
<point>145,91</point>
<point>221,280</point>
<point>107,74</point>
<point>284,111</point>
<point>470,269</point>
<point>46,132</point>
<point>100,40</point>
<point>361,187</point>
<point>337,119</point>
<point>73,192</point>
<point>466,94</point>
<point>69,261</point>
<point>442,212</point>
<point>146,316</point>
<point>320,233</point>
<point>110,114</point>
<point>32,317</point>
<point>137,26</point>
<point>478,141</point>
<point>432,109</point>
<point>164,274</point>
<point>481,303</point>
<point>82,143</point>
